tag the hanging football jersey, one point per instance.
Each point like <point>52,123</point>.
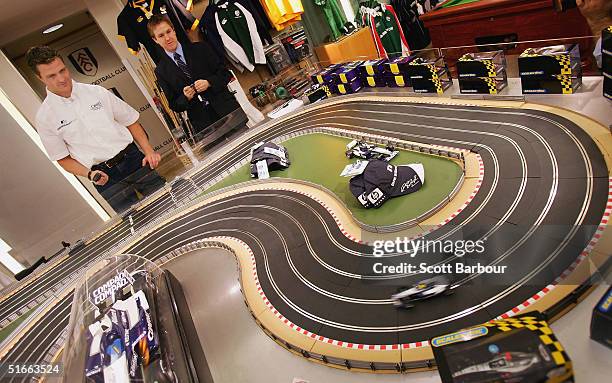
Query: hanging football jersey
<point>282,13</point>
<point>239,35</point>
<point>408,12</point>
<point>386,31</point>
<point>333,15</point>
<point>208,26</point>
<point>132,23</point>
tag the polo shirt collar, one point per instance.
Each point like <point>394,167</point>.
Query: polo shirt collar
<point>58,98</point>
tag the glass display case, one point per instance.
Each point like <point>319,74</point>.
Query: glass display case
<point>125,326</point>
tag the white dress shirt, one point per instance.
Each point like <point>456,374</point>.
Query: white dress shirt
<point>179,50</point>
<point>89,126</point>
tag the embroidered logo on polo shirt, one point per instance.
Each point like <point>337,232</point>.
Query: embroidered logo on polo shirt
<point>64,123</point>
<point>96,106</point>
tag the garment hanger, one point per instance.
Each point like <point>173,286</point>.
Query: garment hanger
<point>148,12</point>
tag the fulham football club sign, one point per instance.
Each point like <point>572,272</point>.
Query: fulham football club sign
<point>84,61</point>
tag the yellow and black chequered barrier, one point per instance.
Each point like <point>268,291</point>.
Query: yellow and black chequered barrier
<point>567,86</point>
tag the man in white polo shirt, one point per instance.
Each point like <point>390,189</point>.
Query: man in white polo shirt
<point>90,132</point>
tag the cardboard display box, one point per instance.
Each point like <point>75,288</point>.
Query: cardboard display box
<point>601,321</point>
<point>398,80</point>
<point>372,67</point>
<point>347,72</point>
<point>551,85</point>
<point>374,81</point>
<point>482,85</point>
<point>351,87</point>
<point>430,86</point>
<point>399,65</point>
<point>326,75</point>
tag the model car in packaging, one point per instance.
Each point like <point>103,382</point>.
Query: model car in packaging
<point>550,61</point>
<point>318,92</point>
<point>426,289</point>
<point>362,149</point>
<point>481,64</point>
<point>429,76</point>
<point>423,68</point>
<point>108,343</point>
<point>121,342</point>
<point>266,156</point>
<point>522,349</point>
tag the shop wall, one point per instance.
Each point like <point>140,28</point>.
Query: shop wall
<point>38,207</point>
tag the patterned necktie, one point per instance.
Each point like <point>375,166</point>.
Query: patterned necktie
<point>182,66</point>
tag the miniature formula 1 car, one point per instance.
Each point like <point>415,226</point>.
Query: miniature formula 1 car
<point>425,289</point>
<point>505,365</point>
<point>361,149</point>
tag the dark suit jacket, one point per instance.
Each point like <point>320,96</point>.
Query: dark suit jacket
<point>204,65</point>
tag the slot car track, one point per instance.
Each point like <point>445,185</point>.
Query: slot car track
<point>543,196</point>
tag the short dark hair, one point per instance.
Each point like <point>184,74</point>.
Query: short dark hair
<point>41,55</point>
<point>155,20</point>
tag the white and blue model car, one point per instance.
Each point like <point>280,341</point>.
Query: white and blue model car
<point>428,288</point>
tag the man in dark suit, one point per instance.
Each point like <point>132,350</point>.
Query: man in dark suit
<point>191,76</point>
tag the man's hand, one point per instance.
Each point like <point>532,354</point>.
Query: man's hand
<point>189,92</point>
<point>103,177</point>
<point>151,158</point>
<point>201,85</point>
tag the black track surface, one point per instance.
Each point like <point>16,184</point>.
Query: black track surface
<point>543,195</point>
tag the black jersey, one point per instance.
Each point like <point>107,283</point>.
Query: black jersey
<point>132,23</point>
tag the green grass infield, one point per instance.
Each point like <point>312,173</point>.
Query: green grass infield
<point>319,158</point>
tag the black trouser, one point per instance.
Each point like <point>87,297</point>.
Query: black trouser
<point>127,177</point>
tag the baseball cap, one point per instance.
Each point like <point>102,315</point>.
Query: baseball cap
<point>381,181</point>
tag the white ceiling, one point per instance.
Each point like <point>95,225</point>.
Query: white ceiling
<point>21,17</point>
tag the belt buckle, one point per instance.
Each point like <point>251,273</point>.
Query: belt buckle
<point>109,164</point>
